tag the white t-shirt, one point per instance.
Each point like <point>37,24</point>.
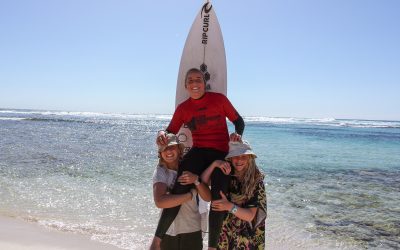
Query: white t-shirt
<point>188,219</point>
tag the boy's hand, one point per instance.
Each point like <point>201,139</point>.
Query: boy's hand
<point>161,138</point>
<point>235,137</point>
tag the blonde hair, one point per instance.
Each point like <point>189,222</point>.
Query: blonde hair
<point>252,176</point>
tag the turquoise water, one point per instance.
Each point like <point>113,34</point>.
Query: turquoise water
<point>337,182</point>
<point>331,183</point>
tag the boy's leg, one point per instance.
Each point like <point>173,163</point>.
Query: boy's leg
<point>219,182</point>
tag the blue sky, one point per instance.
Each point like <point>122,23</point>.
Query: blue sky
<point>298,58</point>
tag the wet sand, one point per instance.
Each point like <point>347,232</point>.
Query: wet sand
<point>16,234</point>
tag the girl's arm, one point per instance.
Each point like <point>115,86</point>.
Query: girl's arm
<point>188,178</point>
<point>224,204</point>
<point>223,165</point>
<point>203,190</point>
<point>164,200</point>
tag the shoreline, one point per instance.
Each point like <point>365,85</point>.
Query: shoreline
<point>16,234</point>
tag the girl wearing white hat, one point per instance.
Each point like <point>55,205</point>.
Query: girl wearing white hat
<point>244,225</point>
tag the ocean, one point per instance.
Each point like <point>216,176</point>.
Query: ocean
<point>331,183</point>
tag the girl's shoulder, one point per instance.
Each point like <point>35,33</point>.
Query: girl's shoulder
<point>163,174</point>
<point>162,168</point>
<point>261,180</point>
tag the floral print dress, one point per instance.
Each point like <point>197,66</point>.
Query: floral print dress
<point>238,234</point>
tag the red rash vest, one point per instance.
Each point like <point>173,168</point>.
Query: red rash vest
<point>206,119</point>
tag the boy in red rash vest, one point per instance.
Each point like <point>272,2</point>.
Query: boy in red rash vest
<point>204,113</point>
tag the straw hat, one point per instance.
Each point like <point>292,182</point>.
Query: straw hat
<point>172,140</point>
<point>239,148</point>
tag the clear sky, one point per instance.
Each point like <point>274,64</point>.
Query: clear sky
<point>286,58</point>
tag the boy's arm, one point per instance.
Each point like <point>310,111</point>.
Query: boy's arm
<point>173,127</point>
<point>239,125</point>
<point>233,115</point>
<point>239,128</point>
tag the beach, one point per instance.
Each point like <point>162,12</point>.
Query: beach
<point>16,234</point>
<point>21,235</point>
<point>82,179</point>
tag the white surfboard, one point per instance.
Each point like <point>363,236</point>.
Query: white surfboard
<point>204,49</point>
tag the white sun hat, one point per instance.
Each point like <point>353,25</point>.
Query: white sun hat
<point>239,148</point>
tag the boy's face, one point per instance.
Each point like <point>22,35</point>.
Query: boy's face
<point>195,85</point>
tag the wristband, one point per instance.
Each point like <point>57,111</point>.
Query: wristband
<point>197,182</point>
<point>234,209</point>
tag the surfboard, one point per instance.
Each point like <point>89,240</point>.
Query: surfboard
<point>204,49</point>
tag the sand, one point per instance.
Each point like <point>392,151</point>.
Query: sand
<point>16,234</point>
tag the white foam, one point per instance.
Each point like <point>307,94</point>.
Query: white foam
<point>287,119</point>
<point>123,237</point>
<point>18,112</point>
<point>324,121</point>
<point>370,124</point>
<point>328,121</point>
<point>89,114</point>
<point>11,118</point>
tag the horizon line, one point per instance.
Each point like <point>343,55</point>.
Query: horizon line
<point>126,113</point>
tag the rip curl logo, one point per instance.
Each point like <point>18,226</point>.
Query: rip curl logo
<point>205,15</point>
<point>206,21</point>
<point>206,9</point>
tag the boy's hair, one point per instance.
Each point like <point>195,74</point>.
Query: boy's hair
<point>194,70</point>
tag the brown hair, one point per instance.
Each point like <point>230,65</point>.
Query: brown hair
<point>194,70</point>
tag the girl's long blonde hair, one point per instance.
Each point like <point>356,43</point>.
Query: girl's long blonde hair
<point>252,176</point>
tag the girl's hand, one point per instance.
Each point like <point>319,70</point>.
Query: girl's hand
<point>187,178</point>
<point>221,205</point>
<point>224,166</point>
